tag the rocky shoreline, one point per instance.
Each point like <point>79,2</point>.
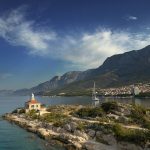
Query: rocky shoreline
<point>84,133</point>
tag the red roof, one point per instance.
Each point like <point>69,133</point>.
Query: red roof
<point>32,102</point>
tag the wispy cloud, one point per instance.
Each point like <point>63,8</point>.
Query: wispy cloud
<point>132,18</point>
<point>18,31</point>
<point>81,50</point>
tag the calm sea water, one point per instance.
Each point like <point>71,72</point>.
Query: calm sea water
<point>15,138</point>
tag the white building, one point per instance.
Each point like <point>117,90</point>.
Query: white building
<point>32,104</point>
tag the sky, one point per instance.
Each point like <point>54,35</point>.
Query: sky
<point>43,38</point>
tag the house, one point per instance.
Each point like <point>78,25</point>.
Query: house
<point>32,104</point>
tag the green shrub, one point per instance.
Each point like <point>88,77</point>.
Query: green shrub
<point>105,128</point>
<point>138,114</point>
<point>19,111</point>
<point>22,111</point>
<point>61,122</point>
<point>81,126</point>
<point>90,112</point>
<point>57,118</point>
<point>32,114</point>
<point>108,106</point>
<point>131,135</point>
<point>138,110</point>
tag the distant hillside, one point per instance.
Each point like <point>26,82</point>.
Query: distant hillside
<point>122,69</point>
<point>6,92</point>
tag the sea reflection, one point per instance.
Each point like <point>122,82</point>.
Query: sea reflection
<point>95,103</point>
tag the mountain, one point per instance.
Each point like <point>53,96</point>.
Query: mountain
<point>6,92</point>
<point>122,69</point>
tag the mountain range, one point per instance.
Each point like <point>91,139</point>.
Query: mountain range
<point>118,70</point>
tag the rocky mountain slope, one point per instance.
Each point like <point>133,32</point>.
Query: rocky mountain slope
<point>122,69</point>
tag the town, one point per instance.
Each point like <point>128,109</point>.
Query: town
<point>125,90</point>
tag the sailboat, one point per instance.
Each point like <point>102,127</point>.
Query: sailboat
<point>94,97</point>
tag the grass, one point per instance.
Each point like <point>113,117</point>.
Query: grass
<point>139,137</point>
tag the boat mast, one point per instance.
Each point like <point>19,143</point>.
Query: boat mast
<point>93,94</point>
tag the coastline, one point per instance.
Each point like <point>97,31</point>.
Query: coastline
<point>74,135</point>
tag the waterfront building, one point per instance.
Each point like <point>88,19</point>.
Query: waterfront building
<point>32,104</point>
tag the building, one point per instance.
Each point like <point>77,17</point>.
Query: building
<point>32,104</point>
<point>136,90</point>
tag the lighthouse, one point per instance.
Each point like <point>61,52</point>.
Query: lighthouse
<point>32,104</point>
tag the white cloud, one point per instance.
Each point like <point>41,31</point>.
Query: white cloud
<point>132,18</point>
<point>18,31</point>
<point>89,50</point>
<point>82,50</point>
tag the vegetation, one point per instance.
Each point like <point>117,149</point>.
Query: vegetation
<point>32,114</point>
<point>109,106</point>
<point>63,109</point>
<point>57,119</point>
<point>140,137</point>
<point>19,111</point>
<point>81,126</point>
<point>109,118</point>
<point>105,128</point>
<point>138,114</point>
<point>90,112</point>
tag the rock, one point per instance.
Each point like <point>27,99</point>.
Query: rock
<point>92,145</point>
<point>123,119</point>
<point>80,134</point>
<point>109,138</point>
<point>73,126</point>
<point>42,133</point>
<point>57,129</point>
<point>71,139</point>
<point>120,109</point>
<point>127,112</point>
<point>62,130</point>
<point>67,127</point>
<point>113,116</point>
<point>117,113</point>
<point>49,127</point>
<point>128,146</point>
<point>33,130</point>
<point>99,134</point>
<point>91,133</point>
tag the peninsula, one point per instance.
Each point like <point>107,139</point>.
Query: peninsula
<point>109,126</point>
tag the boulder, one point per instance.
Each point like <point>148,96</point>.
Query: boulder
<point>113,116</point>
<point>80,134</point>
<point>127,112</point>
<point>57,129</point>
<point>99,134</point>
<point>91,133</point>
<point>128,146</point>
<point>73,126</point>
<point>109,138</point>
<point>123,119</point>
<point>92,145</point>
<point>67,127</point>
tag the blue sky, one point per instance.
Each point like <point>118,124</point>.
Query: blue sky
<point>43,38</point>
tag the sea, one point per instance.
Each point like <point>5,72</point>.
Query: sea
<point>13,137</point>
